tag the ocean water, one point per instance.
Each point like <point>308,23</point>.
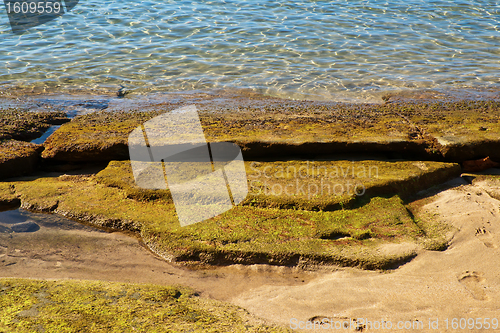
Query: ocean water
<point>323,50</point>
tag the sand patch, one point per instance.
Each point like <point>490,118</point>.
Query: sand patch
<point>461,282</point>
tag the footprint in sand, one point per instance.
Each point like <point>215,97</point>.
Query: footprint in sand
<point>472,281</point>
<point>485,236</point>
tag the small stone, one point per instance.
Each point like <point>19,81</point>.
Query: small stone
<point>28,226</point>
<point>122,92</point>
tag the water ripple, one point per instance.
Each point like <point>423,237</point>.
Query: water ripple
<point>306,49</point>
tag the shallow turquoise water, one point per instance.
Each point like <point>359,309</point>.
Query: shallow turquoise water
<point>306,49</point>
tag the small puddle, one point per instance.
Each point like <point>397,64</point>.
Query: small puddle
<point>45,135</point>
<point>10,218</point>
<point>65,249</point>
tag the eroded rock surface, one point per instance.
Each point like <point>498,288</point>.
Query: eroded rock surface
<point>18,158</point>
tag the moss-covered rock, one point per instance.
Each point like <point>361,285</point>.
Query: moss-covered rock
<point>463,130</point>
<point>452,131</point>
<point>244,234</point>
<point>90,306</point>
<point>310,185</point>
<point>18,158</point>
<point>293,130</point>
<point>95,137</point>
<point>25,125</point>
<point>8,197</point>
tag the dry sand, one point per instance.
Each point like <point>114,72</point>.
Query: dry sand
<point>461,282</point>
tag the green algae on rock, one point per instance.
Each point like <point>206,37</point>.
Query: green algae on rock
<point>274,127</point>
<point>119,174</point>
<point>96,306</point>
<point>463,130</point>
<point>95,137</point>
<point>18,158</point>
<point>244,234</point>
<point>8,197</point>
<point>310,185</point>
<point>25,125</point>
<point>330,185</point>
<point>102,136</point>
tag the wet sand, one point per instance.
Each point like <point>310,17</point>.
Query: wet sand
<point>64,249</point>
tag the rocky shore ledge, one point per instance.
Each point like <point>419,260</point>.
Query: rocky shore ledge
<point>387,152</point>
<point>274,128</point>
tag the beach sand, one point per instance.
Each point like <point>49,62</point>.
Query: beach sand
<point>461,282</point>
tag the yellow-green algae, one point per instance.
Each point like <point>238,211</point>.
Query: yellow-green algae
<point>96,306</point>
<point>310,185</point>
<point>8,197</point>
<point>244,234</point>
<point>423,128</point>
<point>96,131</point>
<point>23,124</point>
<point>13,149</point>
<point>471,120</point>
<point>18,157</point>
<point>317,122</point>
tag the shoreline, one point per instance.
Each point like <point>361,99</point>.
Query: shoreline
<point>445,94</point>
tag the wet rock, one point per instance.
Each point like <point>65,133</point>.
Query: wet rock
<point>28,226</point>
<point>122,92</point>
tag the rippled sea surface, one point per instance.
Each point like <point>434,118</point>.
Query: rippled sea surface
<point>333,50</point>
